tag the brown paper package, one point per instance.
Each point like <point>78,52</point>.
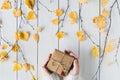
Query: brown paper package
<point>60,63</point>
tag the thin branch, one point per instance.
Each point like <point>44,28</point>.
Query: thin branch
<point>6,41</point>
<point>118,46</point>
<point>26,22</point>
<point>63,20</point>
<point>81,20</point>
<point>45,7</point>
<point>106,38</point>
<point>118,7</point>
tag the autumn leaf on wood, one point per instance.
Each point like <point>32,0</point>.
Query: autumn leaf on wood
<point>22,35</point>
<point>80,35</point>
<point>17,67</point>
<point>6,5</point>
<point>4,46</point>
<point>36,37</point>
<point>39,29</point>
<point>104,2</point>
<point>100,21</point>
<point>73,17</point>
<point>55,21</point>
<point>15,48</point>
<point>3,56</point>
<point>26,67</point>
<point>58,12</point>
<point>110,63</point>
<point>17,12</point>
<point>30,3</point>
<point>95,51</point>
<point>83,1</point>
<point>110,46</point>
<point>105,13</point>
<point>34,77</point>
<point>60,34</point>
<point>31,15</point>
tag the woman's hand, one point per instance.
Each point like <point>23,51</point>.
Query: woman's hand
<point>45,71</point>
<point>76,64</point>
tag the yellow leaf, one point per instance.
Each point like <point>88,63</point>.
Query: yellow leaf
<point>31,15</point>
<point>80,35</point>
<point>109,48</point>
<point>73,15</point>
<point>58,12</point>
<point>4,46</point>
<point>39,29</point>
<point>110,63</point>
<point>17,12</point>
<point>104,2</point>
<point>83,1</point>
<point>36,37</point>
<point>15,48</point>
<point>102,31</point>
<point>95,51</point>
<point>34,77</point>
<point>30,3</point>
<point>32,67</point>
<point>22,35</point>
<point>73,21</point>
<point>105,13</point>
<point>6,5</point>
<point>26,67</point>
<point>60,35</point>
<point>17,67</point>
<point>3,56</point>
<point>55,21</point>
<point>100,21</point>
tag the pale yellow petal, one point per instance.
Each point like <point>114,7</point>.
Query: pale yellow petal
<point>31,15</point>
<point>30,3</point>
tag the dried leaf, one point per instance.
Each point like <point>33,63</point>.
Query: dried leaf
<point>58,12</point>
<point>24,35</point>
<point>17,12</point>
<point>104,2</point>
<point>3,56</point>
<point>109,48</point>
<point>26,67</point>
<point>110,63</point>
<point>105,13</point>
<point>102,31</point>
<point>36,37</point>
<point>60,35</point>
<point>83,1</point>
<point>100,21</point>
<point>39,29</point>
<point>30,3</point>
<point>4,46</point>
<point>73,17</point>
<point>15,48</point>
<point>95,51</point>
<point>17,67</point>
<point>31,15</point>
<point>55,21</point>
<point>6,5</point>
<point>32,67</point>
<point>80,35</point>
<point>34,77</point>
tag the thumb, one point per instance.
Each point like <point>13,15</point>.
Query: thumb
<point>75,65</point>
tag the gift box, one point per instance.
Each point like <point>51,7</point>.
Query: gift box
<point>60,63</point>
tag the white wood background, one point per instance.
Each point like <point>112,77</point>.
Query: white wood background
<point>48,41</point>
